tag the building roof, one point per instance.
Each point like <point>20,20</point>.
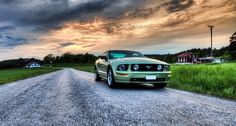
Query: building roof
<point>185,54</point>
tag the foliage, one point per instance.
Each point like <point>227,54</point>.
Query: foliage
<point>232,50</point>
<point>169,58</point>
<point>70,58</point>
<point>49,58</point>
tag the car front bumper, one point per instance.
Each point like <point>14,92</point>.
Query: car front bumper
<point>140,77</point>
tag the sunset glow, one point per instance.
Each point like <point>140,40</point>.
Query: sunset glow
<point>149,26</point>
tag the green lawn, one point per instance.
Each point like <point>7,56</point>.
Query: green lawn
<point>9,75</point>
<point>83,67</point>
<point>212,79</point>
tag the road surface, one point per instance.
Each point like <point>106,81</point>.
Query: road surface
<point>70,97</point>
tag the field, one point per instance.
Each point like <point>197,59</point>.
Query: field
<point>83,67</point>
<point>211,79</point>
<point>9,75</point>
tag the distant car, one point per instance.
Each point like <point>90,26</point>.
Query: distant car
<point>123,66</point>
<point>218,61</point>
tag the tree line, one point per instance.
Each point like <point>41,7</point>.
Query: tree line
<point>70,58</point>
<point>18,63</point>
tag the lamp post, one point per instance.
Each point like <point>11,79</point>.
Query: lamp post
<point>211,29</point>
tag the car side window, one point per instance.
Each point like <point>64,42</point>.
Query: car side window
<point>105,54</point>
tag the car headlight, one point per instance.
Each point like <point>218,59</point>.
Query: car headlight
<point>135,67</point>
<point>166,68</point>
<point>123,67</point>
<point>159,67</point>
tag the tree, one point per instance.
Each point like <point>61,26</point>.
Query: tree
<point>49,59</point>
<point>71,58</point>
<point>232,46</point>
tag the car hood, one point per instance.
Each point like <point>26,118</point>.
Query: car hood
<point>137,60</point>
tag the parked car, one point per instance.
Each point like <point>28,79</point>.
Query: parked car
<point>123,66</point>
<point>216,60</point>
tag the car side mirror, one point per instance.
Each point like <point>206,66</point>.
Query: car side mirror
<point>103,57</point>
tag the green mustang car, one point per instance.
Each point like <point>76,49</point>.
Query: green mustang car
<point>122,66</point>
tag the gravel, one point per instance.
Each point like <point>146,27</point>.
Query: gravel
<point>70,97</point>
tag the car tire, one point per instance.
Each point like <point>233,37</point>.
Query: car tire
<point>160,85</point>
<point>110,78</point>
<point>97,76</point>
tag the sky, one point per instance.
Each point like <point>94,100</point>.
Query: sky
<point>35,28</point>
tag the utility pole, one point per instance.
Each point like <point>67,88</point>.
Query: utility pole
<point>211,29</point>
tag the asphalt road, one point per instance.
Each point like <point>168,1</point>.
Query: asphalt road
<point>70,97</point>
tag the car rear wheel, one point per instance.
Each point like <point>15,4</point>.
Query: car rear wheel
<point>110,78</point>
<point>160,85</point>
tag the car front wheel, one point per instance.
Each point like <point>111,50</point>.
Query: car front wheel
<point>110,78</point>
<point>97,76</point>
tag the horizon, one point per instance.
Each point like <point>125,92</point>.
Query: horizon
<point>37,28</point>
<point>103,52</point>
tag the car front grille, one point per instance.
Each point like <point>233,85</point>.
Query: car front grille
<point>147,67</point>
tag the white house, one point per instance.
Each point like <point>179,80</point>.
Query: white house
<point>32,65</point>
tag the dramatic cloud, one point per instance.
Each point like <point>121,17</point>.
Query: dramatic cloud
<point>58,26</point>
<point>6,28</point>
<point>10,42</point>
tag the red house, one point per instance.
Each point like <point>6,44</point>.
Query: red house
<point>187,58</point>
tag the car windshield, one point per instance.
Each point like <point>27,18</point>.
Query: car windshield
<point>124,54</point>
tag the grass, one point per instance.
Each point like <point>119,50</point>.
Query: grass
<point>83,67</point>
<point>10,75</point>
<point>211,79</point>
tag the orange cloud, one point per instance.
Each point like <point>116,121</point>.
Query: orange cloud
<point>149,25</point>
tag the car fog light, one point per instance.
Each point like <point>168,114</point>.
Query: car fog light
<point>136,67</point>
<point>159,67</point>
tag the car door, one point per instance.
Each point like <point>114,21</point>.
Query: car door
<point>102,65</point>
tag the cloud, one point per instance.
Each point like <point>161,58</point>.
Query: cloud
<point>6,28</point>
<point>42,16</point>
<point>89,25</point>
<point>88,46</point>
<point>11,41</point>
<point>65,44</point>
<point>177,5</point>
<point>170,6</point>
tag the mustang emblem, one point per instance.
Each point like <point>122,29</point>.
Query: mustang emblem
<point>148,67</point>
